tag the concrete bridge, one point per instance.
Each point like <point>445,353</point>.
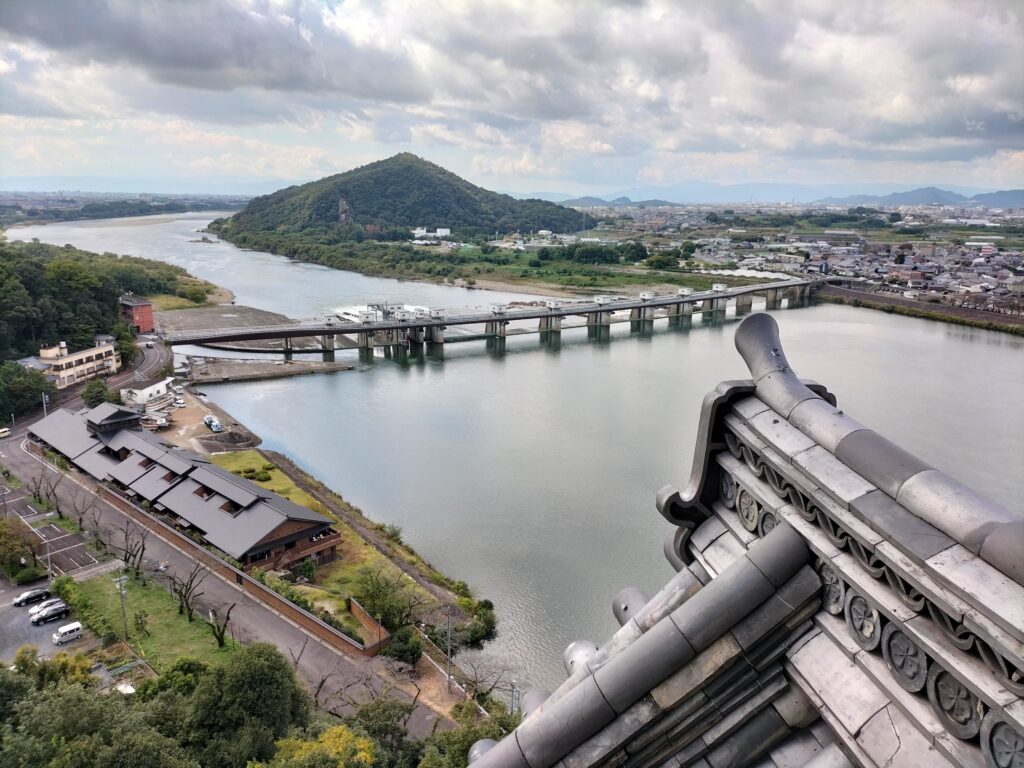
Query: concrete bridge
<point>388,326</point>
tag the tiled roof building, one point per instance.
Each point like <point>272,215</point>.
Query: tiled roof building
<point>249,523</point>
<point>837,602</point>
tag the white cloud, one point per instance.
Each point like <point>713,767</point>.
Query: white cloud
<point>594,93</point>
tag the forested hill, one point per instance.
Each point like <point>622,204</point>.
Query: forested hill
<point>50,293</point>
<point>383,200</point>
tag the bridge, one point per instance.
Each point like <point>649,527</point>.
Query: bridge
<point>389,326</point>
<point>836,602</point>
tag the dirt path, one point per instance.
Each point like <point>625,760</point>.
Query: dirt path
<point>952,314</point>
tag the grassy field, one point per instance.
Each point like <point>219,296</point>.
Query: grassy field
<point>240,461</point>
<point>170,635</point>
<point>165,301</point>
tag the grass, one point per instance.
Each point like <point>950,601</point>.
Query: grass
<point>170,635</point>
<point>166,301</point>
<point>279,482</point>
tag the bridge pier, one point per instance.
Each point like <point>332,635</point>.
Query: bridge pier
<point>678,310</point>
<point>773,299</point>
<point>416,334</point>
<point>496,328</point>
<point>601,333</point>
<point>714,310</point>
<point>744,303</point>
<point>435,334</point>
<point>365,340</point>
<point>599,318</point>
<point>550,324</point>
<point>641,314</point>
<point>288,349</point>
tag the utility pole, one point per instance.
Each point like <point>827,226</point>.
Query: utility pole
<point>449,611</point>
<point>515,697</point>
<point>120,582</point>
<point>46,402</point>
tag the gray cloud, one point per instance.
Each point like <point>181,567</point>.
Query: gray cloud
<point>584,89</point>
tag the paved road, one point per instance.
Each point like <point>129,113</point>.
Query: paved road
<point>252,621</point>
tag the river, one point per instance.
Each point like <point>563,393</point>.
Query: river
<point>531,473</point>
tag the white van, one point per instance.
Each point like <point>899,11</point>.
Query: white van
<point>5,432</point>
<point>67,633</point>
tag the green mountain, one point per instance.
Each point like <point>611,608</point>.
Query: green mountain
<point>404,191</point>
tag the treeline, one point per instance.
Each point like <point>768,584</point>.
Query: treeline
<point>112,209</point>
<point>50,293</point>
<point>252,711</point>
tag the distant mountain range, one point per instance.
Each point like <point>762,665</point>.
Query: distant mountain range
<point>700,192</point>
<point>401,192</point>
<point>1009,198</point>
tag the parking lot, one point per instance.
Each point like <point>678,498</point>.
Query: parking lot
<point>16,630</point>
<point>67,551</point>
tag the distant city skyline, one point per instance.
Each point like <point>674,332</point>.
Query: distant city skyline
<point>578,98</point>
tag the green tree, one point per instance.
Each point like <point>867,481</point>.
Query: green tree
<point>450,749</point>
<point>388,597</point>
<point>405,646</point>
<point>239,709</point>
<point>96,392</point>
<point>661,261</point>
<point>22,389</point>
<point>384,721</point>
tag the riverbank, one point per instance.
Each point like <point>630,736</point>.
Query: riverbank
<point>973,318</point>
<point>213,370</point>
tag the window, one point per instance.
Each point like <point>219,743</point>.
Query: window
<point>256,557</point>
<point>230,507</point>
<point>289,545</point>
<point>169,477</point>
<point>146,462</point>
<point>203,492</point>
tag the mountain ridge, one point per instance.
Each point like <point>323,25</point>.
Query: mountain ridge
<point>397,193</point>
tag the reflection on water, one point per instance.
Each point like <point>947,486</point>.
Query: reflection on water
<point>528,467</point>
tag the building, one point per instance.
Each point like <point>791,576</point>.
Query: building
<point>145,395</point>
<point>137,311</point>
<point>64,368</point>
<point>249,523</point>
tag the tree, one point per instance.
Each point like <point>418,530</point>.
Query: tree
<point>51,671</point>
<point>405,646</point>
<point>134,549</point>
<point>389,597</point>
<point>219,627</point>
<point>337,747</point>
<point>450,749</point>
<point>22,389</point>
<point>661,261</point>
<point>186,589</point>
<point>385,720</point>
<point>96,392</point>
<point>240,708</point>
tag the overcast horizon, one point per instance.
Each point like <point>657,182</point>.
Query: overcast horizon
<point>570,97</point>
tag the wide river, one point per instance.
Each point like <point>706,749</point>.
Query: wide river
<point>531,474</point>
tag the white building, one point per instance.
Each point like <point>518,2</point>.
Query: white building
<point>64,368</point>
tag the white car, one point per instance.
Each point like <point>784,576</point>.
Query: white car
<point>43,605</point>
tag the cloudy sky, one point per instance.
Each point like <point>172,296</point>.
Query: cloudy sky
<point>569,95</point>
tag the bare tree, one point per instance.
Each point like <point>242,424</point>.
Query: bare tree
<point>134,548</point>
<point>93,517</point>
<point>43,485</point>
<point>482,678</point>
<point>82,503</point>
<point>185,589</point>
<point>219,627</point>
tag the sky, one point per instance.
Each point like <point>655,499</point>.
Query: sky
<point>575,96</point>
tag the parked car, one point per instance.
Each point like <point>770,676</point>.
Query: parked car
<point>31,596</point>
<point>54,612</point>
<point>43,605</point>
<point>67,633</point>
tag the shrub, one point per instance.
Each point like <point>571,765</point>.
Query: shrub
<point>27,574</point>
<point>261,476</point>
<point>392,532</point>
